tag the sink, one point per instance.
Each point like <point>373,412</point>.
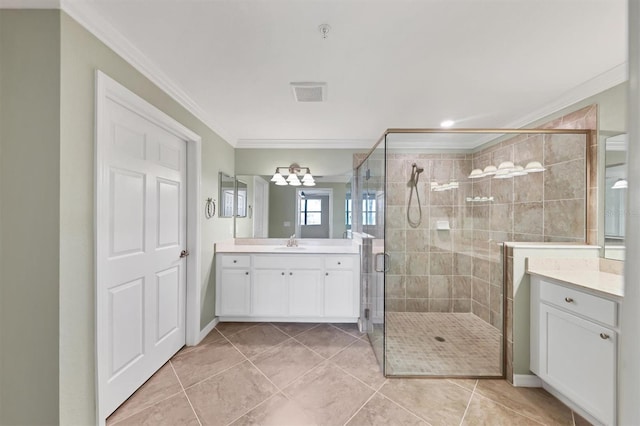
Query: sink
<point>290,248</point>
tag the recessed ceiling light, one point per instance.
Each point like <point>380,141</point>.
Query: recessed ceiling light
<point>447,123</point>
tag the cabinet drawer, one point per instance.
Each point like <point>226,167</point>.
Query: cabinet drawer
<point>287,262</point>
<point>588,305</point>
<point>340,262</point>
<point>232,261</point>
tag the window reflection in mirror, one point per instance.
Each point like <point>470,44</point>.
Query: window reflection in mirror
<point>615,196</point>
<point>241,188</point>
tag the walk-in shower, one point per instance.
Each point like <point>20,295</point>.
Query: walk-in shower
<point>434,208</point>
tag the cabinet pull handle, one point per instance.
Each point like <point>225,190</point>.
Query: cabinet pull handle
<point>604,336</point>
<point>568,300</point>
<point>283,273</point>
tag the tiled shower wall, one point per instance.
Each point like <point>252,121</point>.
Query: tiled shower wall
<point>460,270</point>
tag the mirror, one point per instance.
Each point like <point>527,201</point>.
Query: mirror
<point>615,196</point>
<point>273,211</point>
<point>227,195</point>
<point>241,188</point>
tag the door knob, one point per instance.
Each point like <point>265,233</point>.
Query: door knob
<point>184,253</point>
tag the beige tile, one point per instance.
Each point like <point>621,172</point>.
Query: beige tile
<point>502,217</point>
<point>395,239</point>
<point>380,411</point>
<point>461,287</point>
<point>502,190</point>
<point>417,287</point>
<point>294,328</point>
<point>461,264</point>
<point>527,218</point>
<point>417,240</point>
<point>461,305</point>
<point>225,397</point>
<point>483,411</point>
<point>481,311</point>
<point>480,291</point>
<point>437,305</point>
<point>161,385</point>
<point>565,181</point>
<point>350,328</point>
<point>418,305</point>
<point>417,263</point>
<point>395,286</point>
<point>395,305</point>
<point>530,149</point>
<point>468,384</point>
<point>327,395</point>
<point>276,411</point>
<point>229,328</point>
<point>534,403</point>
<point>173,411</point>
<point>325,340</point>
<point>203,362</point>
<point>529,188</point>
<point>559,148</point>
<point>440,264</point>
<point>257,339</point>
<point>440,287</point>
<point>360,361</point>
<point>439,402</point>
<point>397,263</point>
<point>481,269</point>
<point>286,362</point>
<point>396,217</point>
<point>441,241</point>
<point>565,218</point>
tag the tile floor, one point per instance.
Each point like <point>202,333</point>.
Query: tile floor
<point>471,347</point>
<point>317,374</point>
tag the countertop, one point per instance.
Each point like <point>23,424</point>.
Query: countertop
<point>581,273</point>
<point>279,246</point>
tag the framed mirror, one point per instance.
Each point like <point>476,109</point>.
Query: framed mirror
<point>615,190</point>
<point>227,195</point>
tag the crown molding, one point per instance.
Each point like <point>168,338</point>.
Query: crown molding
<point>29,4</point>
<point>107,34</point>
<point>600,83</point>
<point>305,143</point>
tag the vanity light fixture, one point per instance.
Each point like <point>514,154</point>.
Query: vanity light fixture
<point>620,184</point>
<point>293,179</point>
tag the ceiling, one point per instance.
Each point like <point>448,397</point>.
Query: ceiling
<point>391,63</point>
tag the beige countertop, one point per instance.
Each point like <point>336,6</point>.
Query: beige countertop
<point>590,274</point>
<point>279,246</point>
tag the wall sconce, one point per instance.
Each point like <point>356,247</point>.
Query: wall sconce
<point>293,179</point>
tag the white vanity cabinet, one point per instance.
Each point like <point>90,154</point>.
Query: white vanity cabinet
<point>574,345</point>
<point>288,287</point>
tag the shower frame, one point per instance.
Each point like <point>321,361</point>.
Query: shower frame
<point>590,136</point>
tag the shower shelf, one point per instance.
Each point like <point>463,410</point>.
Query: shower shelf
<point>479,199</point>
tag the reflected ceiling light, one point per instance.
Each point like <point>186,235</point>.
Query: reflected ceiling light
<point>490,170</point>
<point>293,180</point>
<point>519,171</point>
<point>447,123</point>
<point>503,174</point>
<point>506,165</point>
<point>476,173</point>
<point>620,184</point>
<point>534,167</point>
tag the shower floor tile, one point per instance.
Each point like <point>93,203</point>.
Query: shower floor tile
<point>441,344</point>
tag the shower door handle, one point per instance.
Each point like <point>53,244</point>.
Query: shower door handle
<point>385,262</point>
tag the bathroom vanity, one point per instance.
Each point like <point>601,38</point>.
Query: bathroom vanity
<point>312,282</point>
<point>574,332</point>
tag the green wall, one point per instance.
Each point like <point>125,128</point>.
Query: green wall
<point>29,216</point>
<point>47,81</point>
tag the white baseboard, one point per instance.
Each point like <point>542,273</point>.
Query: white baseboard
<point>207,329</point>
<point>526,381</point>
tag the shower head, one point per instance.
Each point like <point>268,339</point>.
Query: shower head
<point>417,169</point>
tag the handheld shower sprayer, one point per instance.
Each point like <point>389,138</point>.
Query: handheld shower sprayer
<point>413,184</point>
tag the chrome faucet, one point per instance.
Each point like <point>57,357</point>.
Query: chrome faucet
<point>292,241</point>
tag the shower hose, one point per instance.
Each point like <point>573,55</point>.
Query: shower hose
<point>413,184</point>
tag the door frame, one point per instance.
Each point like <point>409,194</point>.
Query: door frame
<point>107,88</point>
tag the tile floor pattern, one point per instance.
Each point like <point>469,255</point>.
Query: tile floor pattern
<point>471,346</point>
<point>317,374</point>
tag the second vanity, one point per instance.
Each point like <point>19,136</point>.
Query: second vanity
<point>575,307</point>
<point>318,281</point>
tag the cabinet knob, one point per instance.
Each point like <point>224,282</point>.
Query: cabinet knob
<point>604,336</point>
<point>235,261</point>
<point>568,300</point>
<point>283,273</point>
<point>326,273</point>
<point>339,263</point>
<point>246,273</point>
<point>290,273</point>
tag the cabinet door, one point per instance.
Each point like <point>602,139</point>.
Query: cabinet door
<point>234,292</point>
<point>305,293</point>
<point>339,294</point>
<point>270,294</point>
<point>579,359</point>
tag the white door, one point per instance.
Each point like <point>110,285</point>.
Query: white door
<point>141,231</point>
<point>260,208</point>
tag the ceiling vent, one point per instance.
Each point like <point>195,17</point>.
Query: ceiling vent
<point>309,92</point>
